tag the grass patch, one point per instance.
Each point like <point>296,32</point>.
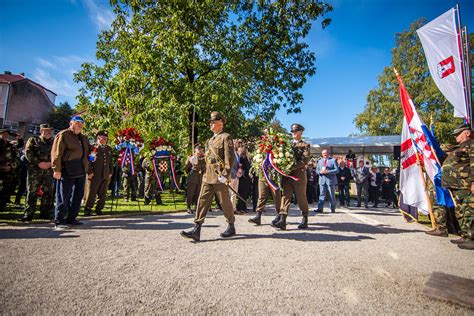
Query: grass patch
<point>171,204</point>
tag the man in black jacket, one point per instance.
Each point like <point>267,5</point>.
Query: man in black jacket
<point>343,182</point>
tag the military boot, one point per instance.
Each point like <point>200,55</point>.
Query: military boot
<point>304,222</point>
<point>257,220</point>
<point>281,224</point>
<point>147,201</point>
<point>276,219</point>
<point>229,232</point>
<point>437,232</point>
<point>158,200</point>
<point>194,233</point>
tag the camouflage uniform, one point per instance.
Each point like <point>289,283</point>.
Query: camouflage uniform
<point>458,174</point>
<point>37,150</point>
<point>129,183</point>
<point>151,185</point>
<point>8,165</point>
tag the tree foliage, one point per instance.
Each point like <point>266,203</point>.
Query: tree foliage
<point>160,58</point>
<point>60,116</point>
<point>383,114</point>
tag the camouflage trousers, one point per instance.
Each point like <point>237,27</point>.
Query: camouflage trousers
<point>35,178</point>
<point>151,187</point>
<point>465,212</point>
<point>439,211</point>
<point>129,187</point>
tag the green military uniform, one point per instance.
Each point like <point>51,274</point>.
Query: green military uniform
<point>194,181</point>
<point>458,176</point>
<point>129,183</point>
<point>37,150</point>
<point>101,168</point>
<point>219,161</point>
<point>151,185</point>
<point>8,164</point>
<point>301,152</point>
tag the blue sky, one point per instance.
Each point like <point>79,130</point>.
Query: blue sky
<point>49,39</point>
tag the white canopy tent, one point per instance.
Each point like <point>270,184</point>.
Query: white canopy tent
<point>361,145</point>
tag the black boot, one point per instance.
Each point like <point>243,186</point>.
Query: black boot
<point>304,222</point>
<point>276,220</point>
<point>87,212</point>
<point>147,201</point>
<point>257,220</point>
<point>194,233</point>
<point>229,232</point>
<point>158,200</point>
<point>281,224</point>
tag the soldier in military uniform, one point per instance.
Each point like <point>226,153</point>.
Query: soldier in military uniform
<point>263,193</point>
<point>219,160</point>
<point>151,185</point>
<point>195,167</point>
<point>301,155</point>
<point>458,177</point>
<point>8,165</point>
<point>39,174</point>
<point>100,172</point>
<point>129,181</point>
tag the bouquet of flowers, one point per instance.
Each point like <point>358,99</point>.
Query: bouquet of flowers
<point>128,142</point>
<point>273,156</point>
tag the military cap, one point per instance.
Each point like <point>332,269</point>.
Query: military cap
<point>46,126</point>
<point>215,116</point>
<point>77,118</point>
<point>461,128</point>
<point>297,127</point>
<point>102,133</point>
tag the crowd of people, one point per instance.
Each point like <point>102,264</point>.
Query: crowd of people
<point>67,171</point>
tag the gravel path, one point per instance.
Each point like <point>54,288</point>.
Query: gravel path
<point>354,261</point>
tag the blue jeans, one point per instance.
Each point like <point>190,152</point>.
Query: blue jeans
<point>323,188</point>
<point>69,193</point>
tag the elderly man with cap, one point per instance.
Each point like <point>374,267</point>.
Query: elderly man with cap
<point>69,159</point>
<point>8,165</point>
<point>100,172</point>
<point>220,157</point>
<point>458,177</point>
<point>301,152</point>
<point>195,167</point>
<point>39,174</point>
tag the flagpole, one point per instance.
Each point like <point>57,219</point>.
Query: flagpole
<point>467,70</point>
<point>430,209</point>
<point>463,64</point>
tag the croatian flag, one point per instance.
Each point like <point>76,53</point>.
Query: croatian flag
<point>441,43</point>
<point>418,140</point>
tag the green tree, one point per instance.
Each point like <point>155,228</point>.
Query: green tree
<point>383,114</point>
<point>60,116</point>
<point>161,58</point>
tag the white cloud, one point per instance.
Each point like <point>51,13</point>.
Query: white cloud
<point>56,73</point>
<point>99,13</point>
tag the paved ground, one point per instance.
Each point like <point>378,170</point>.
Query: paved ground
<point>354,261</point>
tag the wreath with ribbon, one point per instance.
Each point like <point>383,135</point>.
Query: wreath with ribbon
<point>162,159</point>
<point>273,156</point>
<point>129,143</point>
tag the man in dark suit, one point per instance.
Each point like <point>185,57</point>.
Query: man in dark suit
<point>343,181</point>
<point>361,177</point>
<point>327,169</point>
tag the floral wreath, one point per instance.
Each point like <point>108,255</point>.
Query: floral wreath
<point>273,155</point>
<point>162,150</point>
<point>129,143</point>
